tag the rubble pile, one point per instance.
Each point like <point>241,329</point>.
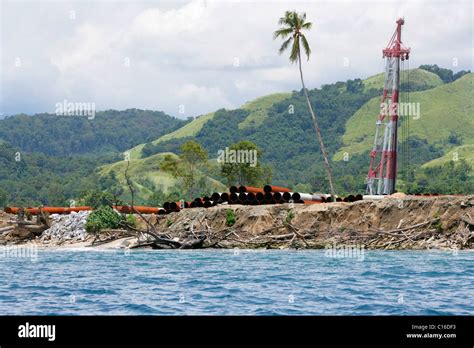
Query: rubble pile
<point>69,227</point>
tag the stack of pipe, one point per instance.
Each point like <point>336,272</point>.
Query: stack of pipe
<point>245,195</point>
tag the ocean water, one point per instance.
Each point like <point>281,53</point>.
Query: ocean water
<point>237,282</point>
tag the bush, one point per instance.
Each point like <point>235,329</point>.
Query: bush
<point>230,217</point>
<point>95,199</point>
<point>102,218</point>
<point>131,220</point>
<point>289,216</point>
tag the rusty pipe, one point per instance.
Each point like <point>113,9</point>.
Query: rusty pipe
<point>237,201</point>
<point>216,196</point>
<point>251,196</point>
<point>199,204</point>
<point>350,198</point>
<point>269,188</point>
<point>50,210</point>
<point>251,189</point>
<point>224,197</point>
<point>136,208</point>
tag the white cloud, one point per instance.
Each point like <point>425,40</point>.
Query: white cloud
<point>159,55</point>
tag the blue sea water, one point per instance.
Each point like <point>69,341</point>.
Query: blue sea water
<point>230,282</point>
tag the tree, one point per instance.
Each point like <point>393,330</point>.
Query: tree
<point>244,172</point>
<point>187,165</point>
<point>97,198</point>
<point>291,32</point>
<point>446,75</point>
<point>192,156</point>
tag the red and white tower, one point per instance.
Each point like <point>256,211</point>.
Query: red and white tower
<point>383,157</point>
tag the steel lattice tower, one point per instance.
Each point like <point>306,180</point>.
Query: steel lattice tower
<point>382,173</point>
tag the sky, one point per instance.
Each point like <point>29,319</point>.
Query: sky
<point>189,58</point>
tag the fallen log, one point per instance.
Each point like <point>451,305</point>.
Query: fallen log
<point>407,228</point>
<point>7,229</point>
<point>37,230</point>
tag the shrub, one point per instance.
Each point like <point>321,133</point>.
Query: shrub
<point>289,216</point>
<point>95,199</point>
<point>230,217</point>
<point>131,220</point>
<point>102,218</point>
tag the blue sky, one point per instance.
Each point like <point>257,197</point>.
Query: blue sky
<point>199,56</point>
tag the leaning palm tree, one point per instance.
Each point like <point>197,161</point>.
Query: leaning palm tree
<point>293,25</point>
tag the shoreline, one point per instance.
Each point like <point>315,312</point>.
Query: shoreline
<point>405,223</point>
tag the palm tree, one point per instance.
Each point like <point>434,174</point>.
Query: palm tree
<point>293,25</point>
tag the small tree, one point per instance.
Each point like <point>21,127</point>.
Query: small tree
<point>96,198</point>
<point>187,166</point>
<point>247,172</point>
<point>193,156</point>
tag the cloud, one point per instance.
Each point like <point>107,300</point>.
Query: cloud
<point>206,54</point>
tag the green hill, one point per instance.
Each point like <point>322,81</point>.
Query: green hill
<point>346,112</point>
<point>58,159</point>
<point>444,110</point>
<point>463,152</point>
<point>258,112</point>
<point>108,131</point>
<point>419,79</point>
<point>188,130</point>
<point>146,177</point>
<point>259,109</point>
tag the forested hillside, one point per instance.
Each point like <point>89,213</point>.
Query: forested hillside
<point>35,178</point>
<point>63,158</point>
<point>286,137</point>
<point>69,135</point>
<point>49,159</point>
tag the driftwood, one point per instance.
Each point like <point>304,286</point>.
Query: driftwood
<point>408,228</point>
<point>37,230</point>
<point>7,229</point>
<point>467,220</point>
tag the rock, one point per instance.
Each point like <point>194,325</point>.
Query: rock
<point>67,227</point>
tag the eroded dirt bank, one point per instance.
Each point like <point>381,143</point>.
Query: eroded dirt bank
<point>392,223</point>
<point>404,223</point>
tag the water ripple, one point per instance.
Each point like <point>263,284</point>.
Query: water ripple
<point>246,283</point>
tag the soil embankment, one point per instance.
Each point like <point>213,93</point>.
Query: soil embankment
<point>445,222</point>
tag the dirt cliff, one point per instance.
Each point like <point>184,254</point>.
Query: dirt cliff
<point>444,222</point>
<point>391,223</point>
